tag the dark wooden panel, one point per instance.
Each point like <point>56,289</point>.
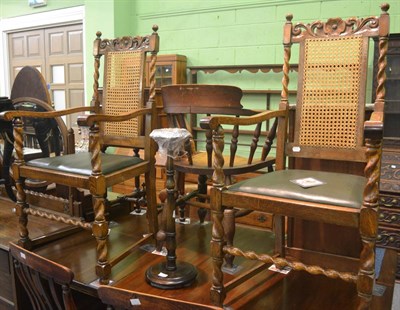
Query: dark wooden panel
<point>6,288</point>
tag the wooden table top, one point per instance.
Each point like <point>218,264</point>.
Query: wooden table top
<point>297,290</point>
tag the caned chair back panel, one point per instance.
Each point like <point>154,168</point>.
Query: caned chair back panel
<point>123,91</point>
<point>331,98</point>
<point>124,61</point>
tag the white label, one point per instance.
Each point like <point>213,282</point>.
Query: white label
<point>162,275</point>
<point>135,302</point>
<point>22,255</point>
<point>296,149</point>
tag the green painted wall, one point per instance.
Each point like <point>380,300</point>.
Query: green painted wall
<point>209,32</point>
<point>221,32</point>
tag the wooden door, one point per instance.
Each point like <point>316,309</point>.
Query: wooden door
<point>58,54</point>
<point>26,49</point>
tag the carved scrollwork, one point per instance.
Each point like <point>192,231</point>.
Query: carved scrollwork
<point>388,238</point>
<point>126,43</point>
<point>389,201</point>
<point>389,187</point>
<point>335,27</point>
<point>391,171</point>
<point>386,216</point>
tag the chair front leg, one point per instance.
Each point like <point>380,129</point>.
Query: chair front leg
<point>369,224</point>
<point>98,189</point>
<point>20,207</point>
<point>229,232</point>
<point>21,203</point>
<point>100,232</point>
<point>217,293</point>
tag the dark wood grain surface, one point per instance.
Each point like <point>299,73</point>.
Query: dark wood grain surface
<point>298,290</point>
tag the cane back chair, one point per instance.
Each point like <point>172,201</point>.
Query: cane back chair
<point>329,125</point>
<point>183,104</point>
<point>123,120</point>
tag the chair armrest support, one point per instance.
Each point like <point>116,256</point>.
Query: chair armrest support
<point>214,121</point>
<point>215,125</point>
<point>89,120</point>
<point>373,129</point>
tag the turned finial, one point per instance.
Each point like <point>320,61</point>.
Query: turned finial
<point>98,34</point>
<point>155,28</point>
<point>289,17</point>
<point>385,7</point>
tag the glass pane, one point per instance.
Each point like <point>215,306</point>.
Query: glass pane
<point>393,67</point>
<point>167,70</point>
<point>57,73</point>
<point>166,81</point>
<point>59,101</point>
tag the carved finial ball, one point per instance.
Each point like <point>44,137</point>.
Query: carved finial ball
<point>385,7</point>
<point>155,28</point>
<point>161,235</point>
<point>289,17</point>
<point>98,34</point>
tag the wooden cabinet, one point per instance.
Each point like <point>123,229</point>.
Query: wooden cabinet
<point>170,69</point>
<point>389,216</point>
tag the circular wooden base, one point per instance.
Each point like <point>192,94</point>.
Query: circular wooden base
<point>183,276</point>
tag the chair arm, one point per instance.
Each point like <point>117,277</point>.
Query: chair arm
<point>9,115</point>
<point>89,120</point>
<point>373,128</point>
<point>213,122</point>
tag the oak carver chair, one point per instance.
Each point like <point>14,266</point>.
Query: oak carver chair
<point>184,102</point>
<point>123,120</point>
<point>329,126</point>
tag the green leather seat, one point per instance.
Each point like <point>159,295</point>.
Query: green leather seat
<point>79,163</point>
<point>336,190</point>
